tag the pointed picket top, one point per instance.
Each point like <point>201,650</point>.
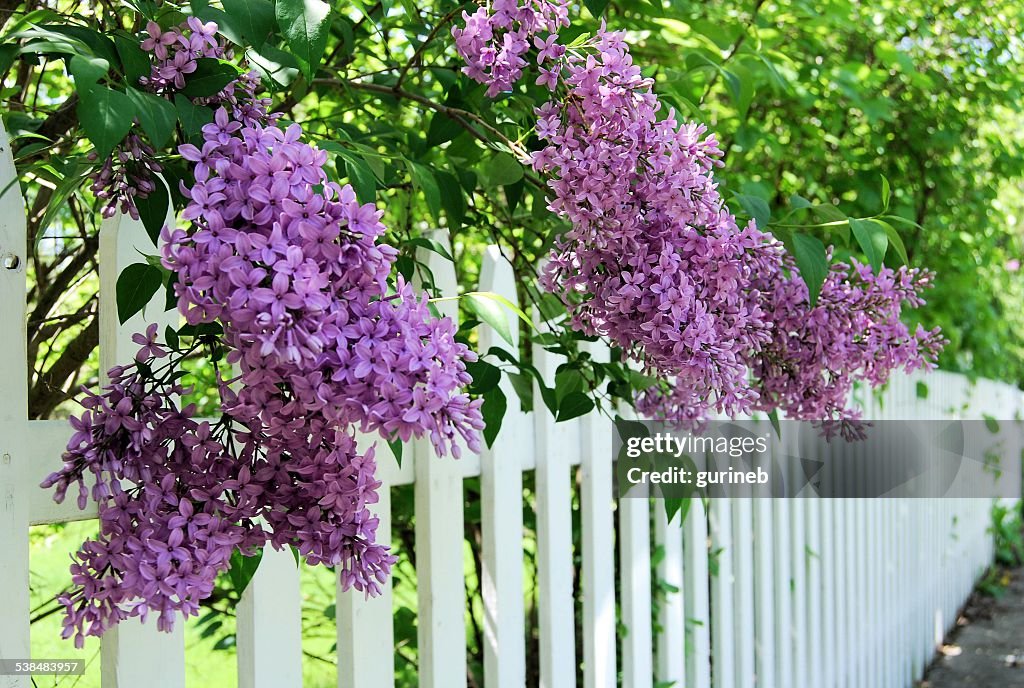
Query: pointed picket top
<point>501,482</point>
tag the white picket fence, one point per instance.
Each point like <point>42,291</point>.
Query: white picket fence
<point>847,593</point>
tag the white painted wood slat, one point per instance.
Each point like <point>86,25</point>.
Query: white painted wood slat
<point>723,619</point>
<point>501,485</point>
<point>440,522</point>
<point>365,630</point>
<point>557,448</point>
<point>743,594</point>
<point>270,624</point>
<point>764,594</point>
<point>635,583</point>
<point>14,466</point>
<point>599,642</point>
<point>671,652</point>
<point>695,593</point>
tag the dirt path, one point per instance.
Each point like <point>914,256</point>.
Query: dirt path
<point>987,652</point>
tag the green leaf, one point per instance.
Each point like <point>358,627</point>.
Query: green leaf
<point>431,245</point>
<point>306,27</point>
<point>756,208</point>
<point>153,209</point>
<point>798,202</point>
<point>253,20</point>
<point>192,117</point>
<point>442,129</point>
<point>274,65</point>
<point>501,170</point>
<point>567,381</point>
<point>895,240</point>
<point>423,179</point>
<point>136,286</point>
<point>596,7</point>
<point>242,570</point>
<point>156,115</point>
<point>991,424</point>
<point>493,411</point>
<point>886,193</point>
<point>134,59</point>
<point>87,71</point>
<point>171,337</point>
<point>485,376</point>
<point>106,116</point>
<point>640,382</point>
<point>523,385</point>
<point>396,449</point>
<point>677,506</point>
<point>773,417</point>
<point>812,261</point>
<point>453,200</point>
<point>361,177</point>
<point>489,310</point>
<point>574,405</point>
<point>209,79</point>
<point>872,239</point>
<point>922,390</point>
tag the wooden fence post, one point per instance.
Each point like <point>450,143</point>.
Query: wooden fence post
<point>14,495</point>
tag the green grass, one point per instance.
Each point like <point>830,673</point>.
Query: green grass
<point>51,548</point>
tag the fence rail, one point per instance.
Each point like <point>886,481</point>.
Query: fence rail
<point>769,593</point>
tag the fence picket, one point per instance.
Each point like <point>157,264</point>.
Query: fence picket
<point>635,583</point>
<point>599,643</point>
<point>501,486</point>
<point>695,594</point>
<point>557,448</point>
<point>672,615</point>
<point>743,594</point>
<point>764,594</point>
<point>823,593</point>
<point>14,460</point>
<point>439,514</point>
<point>798,590</point>
<point>132,653</point>
<point>783,596</point>
<point>723,620</point>
<point>366,634</point>
<point>269,636</point>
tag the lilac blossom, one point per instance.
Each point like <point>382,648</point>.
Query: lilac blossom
<point>655,262</point>
<point>323,345</point>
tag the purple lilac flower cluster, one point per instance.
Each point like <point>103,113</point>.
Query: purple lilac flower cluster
<point>151,463</point>
<point>129,173</point>
<point>854,333</point>
<point>289,264</point>
<point>496,39</point>
<point>655,261</point>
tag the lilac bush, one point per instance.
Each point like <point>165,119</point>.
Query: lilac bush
<point>655,261</point>
<point>291,269</point>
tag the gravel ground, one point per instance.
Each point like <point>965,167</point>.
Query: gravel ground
<point>987,648</point>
